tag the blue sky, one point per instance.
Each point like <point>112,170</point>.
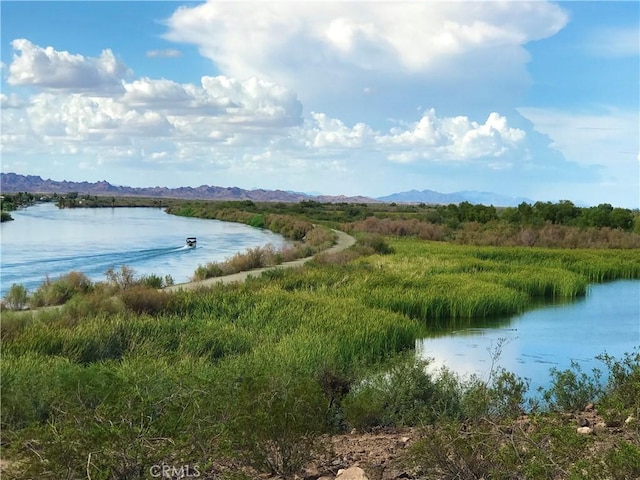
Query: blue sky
<point>534,99</point>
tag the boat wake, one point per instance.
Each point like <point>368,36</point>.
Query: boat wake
<point>94,265</point>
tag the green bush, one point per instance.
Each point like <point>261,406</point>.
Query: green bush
<point>621,395</point>
<point>572,389</point>
<point>278,422</point>
<point>61,290</point>
<point>16,298</point>
<point>623,461</point>
<point>399,396</point>
<point>257,221</point>
<point>376,242</point>
<point>106,420</point>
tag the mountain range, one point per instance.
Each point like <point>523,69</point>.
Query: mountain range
<point>13,183</point>
<point>430,196</point>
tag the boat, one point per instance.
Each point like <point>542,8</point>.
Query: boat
<point>191,242</point>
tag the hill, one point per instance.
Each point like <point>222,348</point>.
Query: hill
<point>13,183</point>
<point>430,196</point>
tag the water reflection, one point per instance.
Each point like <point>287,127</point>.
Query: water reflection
<point>606,320</point>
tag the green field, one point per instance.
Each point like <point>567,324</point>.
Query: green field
<point>255,372</point>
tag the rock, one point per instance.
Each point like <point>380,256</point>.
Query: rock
<point>630,419</point>
<point>600,426</point>
<point>584,430</point>
<point>352,473</point>
<point>589,407</point>
<point>583,422</point>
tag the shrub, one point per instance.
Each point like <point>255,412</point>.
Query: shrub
<point>623,461</point>
<point>320,237</point>
<point>621,395</point>
<point>141,299</point>
<point>398,397</point>
<point>16,298</point>
<point>152,281</point>
<point>376,242</point>
<point>279,422</point>
<point>61,290</point>
<point>256,221</point>
<point>121,279</point>
<point>572,389</point>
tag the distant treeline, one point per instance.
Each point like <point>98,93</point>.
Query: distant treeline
<point>13,201</point>
<point>541,224</point>
<point>560,224</point>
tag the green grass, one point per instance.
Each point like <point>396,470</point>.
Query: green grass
<point>137,386</point>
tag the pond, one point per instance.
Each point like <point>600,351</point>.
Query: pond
<point>44,240</point>
<point>606,320</point>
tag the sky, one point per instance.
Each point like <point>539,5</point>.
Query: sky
<point>525,99</point>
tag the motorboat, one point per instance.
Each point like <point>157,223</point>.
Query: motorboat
<point>191,242</point>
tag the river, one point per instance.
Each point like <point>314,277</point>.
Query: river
<point>606,320</point>
<point>44,240</point>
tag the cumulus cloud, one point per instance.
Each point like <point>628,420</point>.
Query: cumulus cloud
<point>167,53</point>
<point>10,101</point>
<point>318,46</point>
<point>431,139</point>
<point>61,70</point>
<point>69,117</point>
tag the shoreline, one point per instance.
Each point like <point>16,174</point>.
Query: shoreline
<point>343,242</point>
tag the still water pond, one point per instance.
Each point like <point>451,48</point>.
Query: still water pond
<point>606,320</point>
<point>44,240</point>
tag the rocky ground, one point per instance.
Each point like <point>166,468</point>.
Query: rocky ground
<point>383,455</point>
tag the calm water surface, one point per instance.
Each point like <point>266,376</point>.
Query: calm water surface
<point>606,320</point>
<point>44,240</point>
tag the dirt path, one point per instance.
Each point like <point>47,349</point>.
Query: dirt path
<point>343,241</point>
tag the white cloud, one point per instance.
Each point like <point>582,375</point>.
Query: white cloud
<point>10,101</point>
<point>52,69</point>
<point>77,104</point>
<point>324,132</point>
<point>167,53</point>
<point>618,42</point>
<point>454,139</point>
<point>320,47</point>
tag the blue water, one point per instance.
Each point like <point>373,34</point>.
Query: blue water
<point>607,320</point>
<point>46,241</point>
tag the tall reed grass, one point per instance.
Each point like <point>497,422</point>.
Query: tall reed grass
<point>185,381</point>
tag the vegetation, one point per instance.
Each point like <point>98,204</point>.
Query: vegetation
<point>249,378</point>
<point>9,202</point>
<point>314,241</point>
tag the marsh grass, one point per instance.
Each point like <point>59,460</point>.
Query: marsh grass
<point>284,357</point>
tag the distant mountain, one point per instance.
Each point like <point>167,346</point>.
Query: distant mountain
<point>432,197</point>
<point>13,182</point>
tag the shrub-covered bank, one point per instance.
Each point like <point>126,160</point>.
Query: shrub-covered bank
<point>243,380</point>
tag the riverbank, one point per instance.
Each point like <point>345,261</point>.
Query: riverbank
<point>265,377</point>
<point>343,241</point>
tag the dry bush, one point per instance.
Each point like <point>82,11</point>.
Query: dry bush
<point>140,299</point>
<point>399,228</point>
<point>319,236</point>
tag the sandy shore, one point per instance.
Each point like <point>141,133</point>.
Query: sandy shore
<point>343,241</point>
